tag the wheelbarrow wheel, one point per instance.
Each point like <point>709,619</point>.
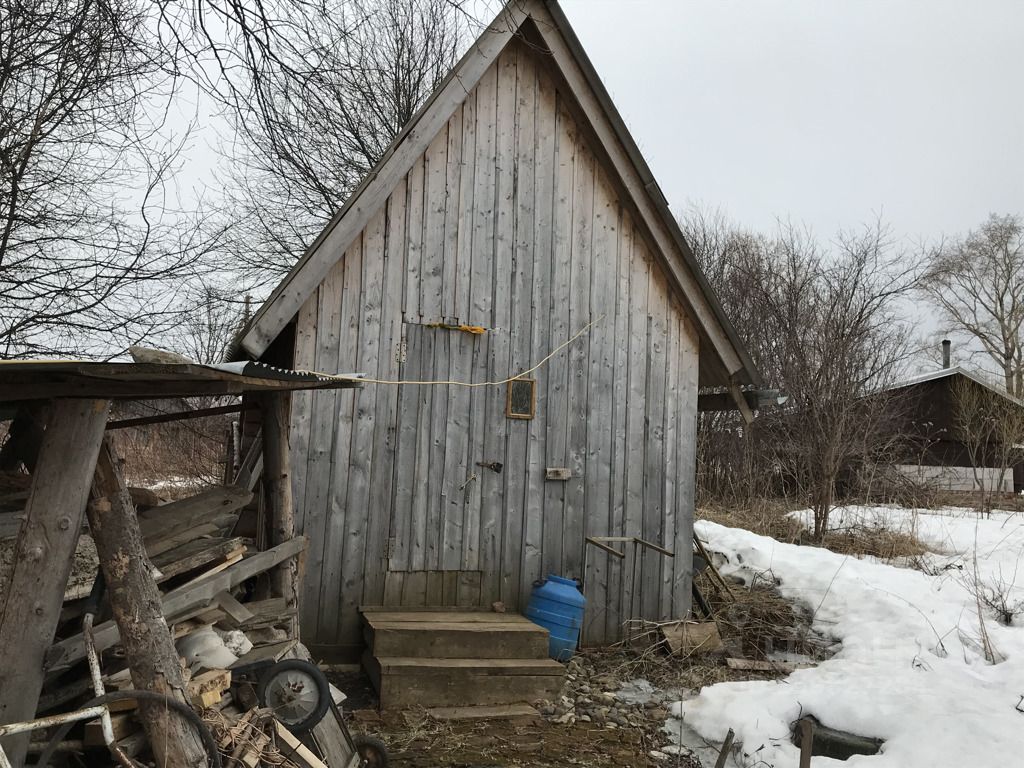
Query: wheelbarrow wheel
<point>372,751</point>
<point>297,692</point>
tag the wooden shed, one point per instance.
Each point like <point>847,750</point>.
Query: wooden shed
<point>512,218</point>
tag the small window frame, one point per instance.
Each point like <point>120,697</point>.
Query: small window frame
<point>520,414</point>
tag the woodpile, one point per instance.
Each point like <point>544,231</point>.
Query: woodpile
<point>212,581</point>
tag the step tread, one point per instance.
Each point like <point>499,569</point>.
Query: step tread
<point>457,626</point>
<point>485,666</point>
<point>374,618</point>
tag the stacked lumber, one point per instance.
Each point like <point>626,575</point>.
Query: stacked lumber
<point>210,580</point>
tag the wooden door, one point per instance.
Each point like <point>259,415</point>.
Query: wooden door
<point>435,514</point>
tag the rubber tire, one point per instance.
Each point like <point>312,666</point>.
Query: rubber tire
<point>323,701</point>
<point>374,747</point>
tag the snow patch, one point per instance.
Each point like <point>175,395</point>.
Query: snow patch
<point>911,668</point>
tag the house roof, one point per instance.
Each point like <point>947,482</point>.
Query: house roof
<point>724,360</point>
<point>943,373</point>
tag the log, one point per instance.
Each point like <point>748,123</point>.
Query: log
<point>277,489</point>
<point>136,605</point>
<point>43,557</point>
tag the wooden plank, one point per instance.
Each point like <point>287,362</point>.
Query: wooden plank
<point>517,467</point>
<point>636,422</point>
<point>166,520</point>
<point>385,615</point>
<point>277,493</point>
<point>557,414</point>
<point>600,400</point>
<point>454,169</point>
<point>674,351</point>
<point>385,437</point>
<point>235,609</point>
<point>464,243</point>
<point>43,556</point>
<point>686,465</point>
<point>336,532</point>
<point>543,202</point>
<point>468,593</point>
<point>578,355</point>
<point>413,256</point>
<point>393,581</point>
<point>483,540</point>
<point>435,585</point>
<point>320,455</point>
<point>193,555</point>
<point>654,459</point>
<point>421,342</point>
<point>410,144</point>
<point>431,639</point>
<point>434,206</point>
<point>360,468</point>
<point>414,588</point>
<point>304,358</point>
<point>294,750</point>
<point>400,528</point>
<point>179,601</point>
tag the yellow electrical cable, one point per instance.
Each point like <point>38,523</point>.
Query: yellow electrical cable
<point>519,375</point>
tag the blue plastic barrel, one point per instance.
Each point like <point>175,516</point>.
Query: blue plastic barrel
<point>557,605</point>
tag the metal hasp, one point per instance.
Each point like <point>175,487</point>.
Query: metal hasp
<point>602,542</point>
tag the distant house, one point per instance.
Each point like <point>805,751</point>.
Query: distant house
<point>939,455</point>
<point>514,212</point>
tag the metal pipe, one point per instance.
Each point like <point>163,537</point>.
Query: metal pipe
<point>946,357</point>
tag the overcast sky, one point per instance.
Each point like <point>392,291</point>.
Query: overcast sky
<point>825,112</point>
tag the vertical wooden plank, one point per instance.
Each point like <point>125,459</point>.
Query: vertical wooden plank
<point>484,534</point>
<point>319,458</point>
<point>672,397</point>
<point>410,399</point>
<point>468,594</point>
<point>369,320</point>
<point>457,468</point>
<point>435,203</point>
<point>543,210</point>
<point>304,358</point>
<point>686,468</point>
<point>452,209</point>
<point>43,555</point>
<point>437,446</point>
<point>336,530</point>
<point>435,588</point>
<point>414,589</point>
<point>464,244</point>
<point>415,217</point>
<point>393,583</point>
<point>423,338</point>
<point>578,355</point>
<point>636,414</point>
<point>620,390</point>
<point>481,305</point>
<point>517,467</point>
<point>278,500</point>
<point>450,588</point>
<point>557,416</point>
<point>600,383</point>
<point>385,438</point>
<point>654,459</point>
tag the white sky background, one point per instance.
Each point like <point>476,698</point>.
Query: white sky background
<point>826,112</point>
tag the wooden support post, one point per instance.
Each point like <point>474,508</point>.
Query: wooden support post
<point>136,605</point>
<point>43,557</point>
<point>277,490</point>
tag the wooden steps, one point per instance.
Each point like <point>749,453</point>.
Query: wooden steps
<point>448,658</point>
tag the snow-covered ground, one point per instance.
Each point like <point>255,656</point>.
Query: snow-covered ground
<point>912,667</point>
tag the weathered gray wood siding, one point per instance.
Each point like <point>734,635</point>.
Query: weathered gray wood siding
<point>508,221</point>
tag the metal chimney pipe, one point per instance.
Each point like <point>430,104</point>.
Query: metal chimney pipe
<point>945,352</point>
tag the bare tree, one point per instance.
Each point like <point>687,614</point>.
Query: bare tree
<point>89,237</point>
<point>978,283</point>
<point>345,79</point>
<point>822,325</point>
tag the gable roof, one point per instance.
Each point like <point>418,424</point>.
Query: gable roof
<point>724,360</point>
<point>943,373</point>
